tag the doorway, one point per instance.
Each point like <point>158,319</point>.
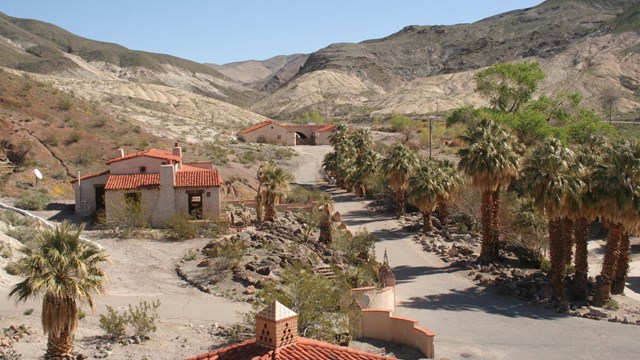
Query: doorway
<point>195,205</point>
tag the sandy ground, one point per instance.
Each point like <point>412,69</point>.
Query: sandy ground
<point>140,270</point>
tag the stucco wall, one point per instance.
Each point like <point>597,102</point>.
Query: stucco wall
<point>116,209</point>
<point>271,133</point>
<point>322,138</point>
<point>86,197</point>
<point>132,166</point>
<point>210,204</point>
<point>380,325</point>
<point>373,298</point>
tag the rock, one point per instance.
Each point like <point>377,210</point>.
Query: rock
<point>598,312</point>
<point>564,305</point>
<point>545,292</point>
<point>204,263</point>
<point>478,277</point>
<point>467,237</point>
<point>250,290</point>
<point>264,270</point>
<point>503,290</point>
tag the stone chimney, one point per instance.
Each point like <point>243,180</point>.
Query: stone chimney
<point>276,326</point>
<point>120,153</point>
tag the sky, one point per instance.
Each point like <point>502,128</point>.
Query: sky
<point>223,31</point>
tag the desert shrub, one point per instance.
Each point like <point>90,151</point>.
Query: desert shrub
<point>315,298</point>
<point>143,317</point>
<point>86,157</point>
<point>74,137</point>
<point>182,228</point>
<point>524,230</point>
<point>34,200</point>
<point>13,268</point>
<point>5,250</point>
<point>218,154</point>
<point>100,122</point>
<point>28,312</point>
<point>376,187</point>
<point>612,305</point>
<point>400,123</point>
<point>545,265</point>
<point>301,195</point>
<point>358,248</point>
<point>64,104</point>
<point>284,153</point>
<point>227,252</point>
<point>113,323</point>
<point>50,139</point>
<point>130,216</point>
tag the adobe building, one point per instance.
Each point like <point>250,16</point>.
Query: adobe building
<point>271,132</point>
<point>156,180</point>
<point>277,338</point>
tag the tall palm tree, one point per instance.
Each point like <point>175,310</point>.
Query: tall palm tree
<point>338,164</point>
<point>583,211</point>
<point>260,175</point>
<point>491,160</point>
<point>617,189</point>
<point>275,187</point>
<point>65,271</point>
<point>550,178</point>
<point>365,161</point>
<point>397,166</point>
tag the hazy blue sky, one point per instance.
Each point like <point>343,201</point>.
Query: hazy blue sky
<point>225,31</point>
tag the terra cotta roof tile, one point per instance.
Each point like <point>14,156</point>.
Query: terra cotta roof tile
<point>154,153</point>
<point>255,127</point>
<point>198,178</point>
<point>303,349</point>
<point>132,181</point>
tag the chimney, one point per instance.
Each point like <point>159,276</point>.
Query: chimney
<point>276,326</point>
<point>121,153</point>
<point>167,176</point>
<point>177,151</point>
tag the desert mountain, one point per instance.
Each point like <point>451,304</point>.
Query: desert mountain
<point>591,46</point>
<point>267,74</point>
<point>39,47</point>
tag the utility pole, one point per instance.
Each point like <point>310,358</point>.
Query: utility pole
<point>431,129</point>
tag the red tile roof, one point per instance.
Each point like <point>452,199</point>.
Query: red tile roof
<point>89,176</point>
<point>255,127</point>
<point>132,181</point>
<point>154,153</point>
<point>198,178</point>
<point>303,349</point>
<point>326,128</point>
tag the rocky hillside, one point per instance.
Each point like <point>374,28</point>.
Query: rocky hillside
<point>413,69</point>
<point>265,75</point>
<point>39,47</point>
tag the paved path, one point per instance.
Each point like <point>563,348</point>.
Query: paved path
<point>473,324</point>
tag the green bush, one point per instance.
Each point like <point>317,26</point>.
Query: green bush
<point>13,268</point>
<point>114,324</point>
<point>182,228</point>
<point>34,200</point>
<point>545,265</point>
<point>63,104</point>
<point>74,138</point>
<point>143,317</point>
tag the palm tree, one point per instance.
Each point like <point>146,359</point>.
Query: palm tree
<point>397,166</point>
<point>617,189</point>
<point>550,178</point>
<point>455,181</point>
<point>365,161</point>
<point>338,164</point>
<point>430,184</point>
<point>326,210</point>
<point>275,187</point>
<point>491,160</point>
<point>65,271</point>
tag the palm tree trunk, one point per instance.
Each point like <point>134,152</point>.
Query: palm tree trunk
<point>622,266</point>
<point>487,253</point>
<point>427,226</point>
<point>567,240</point>
<point>556,251</point>
<point>443,211</point>
<point>612,250</point>
<point>581,236</point>
<point>399,202</point>
<point>495,209</point>
<point>259,207</point>
<point>60,347</point>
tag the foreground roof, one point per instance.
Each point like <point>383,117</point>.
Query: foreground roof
<point>132,181</point>
<point>184,178</point>
<point>303,349</point>
<point>198,178</point>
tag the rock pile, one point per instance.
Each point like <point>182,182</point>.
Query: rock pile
<point>264,252</point>
<point>10,336</point>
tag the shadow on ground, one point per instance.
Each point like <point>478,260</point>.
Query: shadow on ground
<point>479,299</point>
